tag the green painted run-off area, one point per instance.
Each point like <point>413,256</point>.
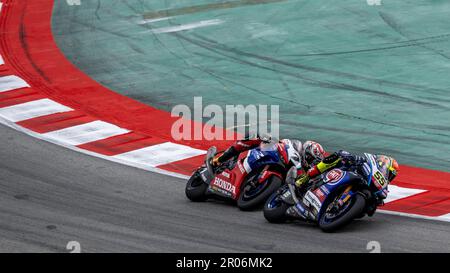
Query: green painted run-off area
<point>350,75</point>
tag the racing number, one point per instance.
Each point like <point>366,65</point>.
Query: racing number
<point>380,178</point>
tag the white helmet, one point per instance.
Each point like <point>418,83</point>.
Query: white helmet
<point>311,152</point>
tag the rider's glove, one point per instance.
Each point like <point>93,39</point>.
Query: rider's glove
<point>215,161</point>
<point>304,178</point>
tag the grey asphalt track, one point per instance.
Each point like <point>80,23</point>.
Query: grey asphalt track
<point>50,195</point>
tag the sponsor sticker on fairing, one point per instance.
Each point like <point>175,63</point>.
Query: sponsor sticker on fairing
<point>334,176</point>
<point>320,194</point>
<point>226,174</point>
<point>286,194</point>
<point>312,200</point>
<point>222,184</point>
<point>324,189</point>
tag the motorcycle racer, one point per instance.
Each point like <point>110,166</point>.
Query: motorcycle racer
<point>301,155</point>
<point>388,166</point>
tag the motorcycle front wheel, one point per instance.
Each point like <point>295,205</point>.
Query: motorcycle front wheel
<point>275,209</point>
<point>253,197</point>
<point>330,222</point>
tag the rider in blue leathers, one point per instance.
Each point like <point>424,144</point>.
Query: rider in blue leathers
<point>344,160</point>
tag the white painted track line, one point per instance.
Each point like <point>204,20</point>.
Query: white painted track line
<point>84,133</point>
<point>148,21</point>
<point>396,193</point>
<point>8,83</point>
<point>442,218</point>
<point>160,154</point>
<point>187,26</point>
<point>32,109</point>
<point>445,217</point>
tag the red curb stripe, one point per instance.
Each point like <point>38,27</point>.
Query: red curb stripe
<point>423,178</point>
<point>432,203</point>
<point>435,209</point>
<point>17,93</point>
<point>121,144</point>
<point>53,122</point>
<point>19,96</point>
<point>186,166</point>
<point>4,71</point>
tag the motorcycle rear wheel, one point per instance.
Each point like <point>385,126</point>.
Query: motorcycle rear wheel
<point>196,188</point>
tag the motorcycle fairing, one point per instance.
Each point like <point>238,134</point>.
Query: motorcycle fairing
<point>330,185</point>
<point>228,182</point>
<point>258,158</point>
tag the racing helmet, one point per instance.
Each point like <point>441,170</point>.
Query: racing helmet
<point>297,145</point>
<point>388,166</point>
<point>312,152</point>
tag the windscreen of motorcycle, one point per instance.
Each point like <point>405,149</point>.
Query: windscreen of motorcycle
<point>258,158</point>
<point>265,147</point>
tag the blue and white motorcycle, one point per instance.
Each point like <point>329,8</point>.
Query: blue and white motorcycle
<point>331,200</point>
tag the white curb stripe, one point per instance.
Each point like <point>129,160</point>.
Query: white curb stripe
<point>8,83</point>
<point>396,193</point>
<point>160,154</point>
<point>445,217</point>
<point>84,133</point>
<point>32,109</point>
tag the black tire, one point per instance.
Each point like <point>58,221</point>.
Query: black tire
<point>357,205</point>
<point>274,182</point>
<point>275,214</point>
<point>360,216</point>
<point>196,188</point>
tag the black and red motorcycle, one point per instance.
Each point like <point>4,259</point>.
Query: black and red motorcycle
<point>248,179</point>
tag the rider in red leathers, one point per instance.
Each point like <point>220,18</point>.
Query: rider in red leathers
<point>301,155</point>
